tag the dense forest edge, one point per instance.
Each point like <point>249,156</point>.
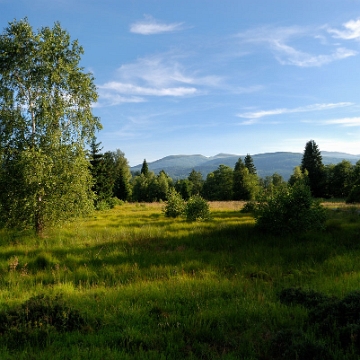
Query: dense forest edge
<point>282,163</point>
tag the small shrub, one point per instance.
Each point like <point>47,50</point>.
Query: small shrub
<point>354,195</point>
<point>197,208</point>
<point>102,205</point>
<point>115,201</point>
<point>108,204</point>
<point>290,211</point>
<point>249,207</point>
<point>175,205</point>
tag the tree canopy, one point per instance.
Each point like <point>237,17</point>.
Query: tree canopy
<point>312,163</point>
<point>249,163</point>
<point>46,121</point>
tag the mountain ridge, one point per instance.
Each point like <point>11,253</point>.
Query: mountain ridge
<point>283,163</point>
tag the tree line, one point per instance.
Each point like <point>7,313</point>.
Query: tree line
<point>340,180</point>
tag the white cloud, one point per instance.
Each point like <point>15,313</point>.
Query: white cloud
<point>123,88</point>
<point>314,107</point>
<point>160,75</point>
<point>288,55</point>
<point>348,122</point>
<point>349,145</point>
<point>246,90</point>
<point>351,32</point>
<point>163,70</point>
<point>150,26</point>
<point>111,99</point>
<point>278,40</point>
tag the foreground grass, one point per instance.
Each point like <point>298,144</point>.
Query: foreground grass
<point>151,287</point>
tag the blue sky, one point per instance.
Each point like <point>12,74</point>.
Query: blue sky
<point>215,76</point>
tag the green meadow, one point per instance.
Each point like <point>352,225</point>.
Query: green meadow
<point>129,283</point>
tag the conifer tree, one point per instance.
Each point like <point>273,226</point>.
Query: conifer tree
<point>122,185</point>
<point>145,168</point>
<point>249,163</point>
<point>245,184</point>
<point>197,182</point>
<point>103,172</point>
<point>312,163</point>
<point>219,184</point>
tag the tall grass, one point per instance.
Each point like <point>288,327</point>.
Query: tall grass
<point>152,287</point>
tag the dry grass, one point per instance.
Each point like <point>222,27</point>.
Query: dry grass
<point>214,205</point>
<point>336,205</point>
<point>226,205</point>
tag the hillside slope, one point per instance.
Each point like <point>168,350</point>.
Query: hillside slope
<point>283,163</point>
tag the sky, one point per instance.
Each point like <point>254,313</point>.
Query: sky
<point>214,76</point>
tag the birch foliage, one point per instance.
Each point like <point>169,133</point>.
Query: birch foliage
<point>45,123</point>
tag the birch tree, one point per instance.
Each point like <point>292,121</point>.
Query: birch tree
<point>46,121</point>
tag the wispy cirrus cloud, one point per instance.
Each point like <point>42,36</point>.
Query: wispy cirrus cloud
<point>147,91</point>
<point>163,70</point>
<point>346,122</point>
<point>314,107</point>
<point>288,55</point>
<point>154,76</point>
<point>109,98</point>
<point>150,26</point>
<point>351,31</point>
<point>279,41</point>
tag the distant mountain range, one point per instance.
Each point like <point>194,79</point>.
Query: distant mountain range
<point>283,163</point>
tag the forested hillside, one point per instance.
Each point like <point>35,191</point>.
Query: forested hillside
<point>282,163</point>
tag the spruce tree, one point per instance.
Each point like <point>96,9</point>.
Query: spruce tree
<point>103,172</point>
<point>245,184</point>
<point>219,184</point>
<point>196,180</point>
<point>122,185</point>
<point>312,163</point>
<point>145,168</point>
<point>239,190</point>
<point>249,163</point>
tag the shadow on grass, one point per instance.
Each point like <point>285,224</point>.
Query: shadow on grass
<point>227,245</point>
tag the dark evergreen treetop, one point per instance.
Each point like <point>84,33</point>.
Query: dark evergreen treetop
<point>249,163</point>
<point>239,165</point>
<point>122,186</point>
<point>145,168</point>
<point>197,182</point>
<point>95,151</point>
<point>103,172</point>
<point>312,163</point>
<point>312,159</point>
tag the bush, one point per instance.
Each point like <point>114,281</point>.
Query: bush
<point>249,207</point>
<point>354,195</point>
<point>175,205</point>
<point>292,210</point>
<point>197,208</point>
